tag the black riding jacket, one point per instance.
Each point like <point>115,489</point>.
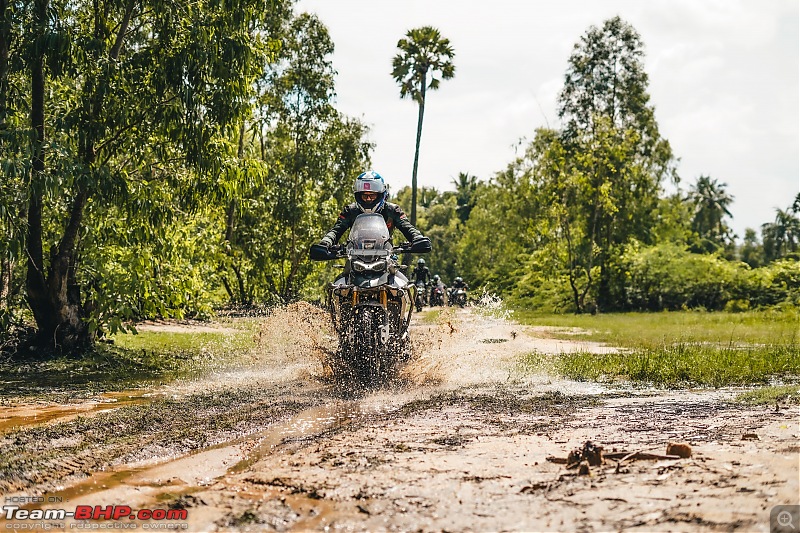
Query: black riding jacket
<point>392,213</point>
<point>421,274</point>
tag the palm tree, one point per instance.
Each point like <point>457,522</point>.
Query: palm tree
<point>465,190</point>
<point>710,209</point>
<point>422,51</point>
<point>782,236</point>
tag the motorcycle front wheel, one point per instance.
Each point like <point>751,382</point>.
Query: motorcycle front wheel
<point>368,352</point>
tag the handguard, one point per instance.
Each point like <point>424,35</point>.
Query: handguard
<point>320,252</point>
<point>420,246</point>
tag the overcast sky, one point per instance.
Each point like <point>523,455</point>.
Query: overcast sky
<point>723,81</point>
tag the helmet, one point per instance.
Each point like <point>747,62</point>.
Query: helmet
<point>436,278</point>
<point>370,181</point>
<point>459,280</point>
<point>421,261</point>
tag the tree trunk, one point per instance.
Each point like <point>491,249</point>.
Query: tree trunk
<point>6,266</point>
<point>416,150</point>
<point>35,278</point>
<point>5,37</point>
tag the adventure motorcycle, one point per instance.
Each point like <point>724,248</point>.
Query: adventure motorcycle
<point>437,295</point>
<point>421,295</point>
<point>371,302</point>
<point>457,296</point>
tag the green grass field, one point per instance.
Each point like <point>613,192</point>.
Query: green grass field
<point>131,361</point>
<point>678,349</point>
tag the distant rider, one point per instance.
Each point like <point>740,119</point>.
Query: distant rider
<point>437,284</point>
<point>370,193</point>
<point>421,272</point>
<point>459,283</point>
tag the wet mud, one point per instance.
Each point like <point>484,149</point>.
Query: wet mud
<point>462,440</point>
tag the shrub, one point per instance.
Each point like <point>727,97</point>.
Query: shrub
<point>669,277</point>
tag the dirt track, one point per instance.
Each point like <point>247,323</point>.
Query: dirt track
<point>460,443</point>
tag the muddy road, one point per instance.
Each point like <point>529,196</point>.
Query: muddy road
<point>466,440</point>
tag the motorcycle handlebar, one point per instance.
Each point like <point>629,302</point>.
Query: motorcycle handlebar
<point>320,252</point>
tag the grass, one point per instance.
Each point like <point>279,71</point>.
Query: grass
<point>132,360</point>
<point>679,348</point>
<point>771,395</point>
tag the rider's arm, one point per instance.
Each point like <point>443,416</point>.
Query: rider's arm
<point>403,224</point>
<point>344,222</point>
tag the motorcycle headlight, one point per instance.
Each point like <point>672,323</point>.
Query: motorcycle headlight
<point>375,266</point>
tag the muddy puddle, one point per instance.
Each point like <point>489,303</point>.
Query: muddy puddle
<point>32,414</point>
<point>462,441</point>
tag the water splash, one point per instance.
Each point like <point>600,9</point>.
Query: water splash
<point>491,305</point>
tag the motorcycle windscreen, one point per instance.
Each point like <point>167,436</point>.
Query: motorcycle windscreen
<point>369,236</point>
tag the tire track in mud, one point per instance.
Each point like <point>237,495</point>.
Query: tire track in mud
<point>55,455</point>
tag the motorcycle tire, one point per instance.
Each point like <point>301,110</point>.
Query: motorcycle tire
<point>367,350</point>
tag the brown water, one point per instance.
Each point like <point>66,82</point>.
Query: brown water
<point>34,414</point>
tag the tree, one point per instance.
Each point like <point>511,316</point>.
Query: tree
<point>614,158</point>
<point>422,52</point>
<point>310,152</point>
<point>710,208</point>
<point>751,251</point>
<point>465,190</point>
<point>144,95</point>
<point>782,236</point>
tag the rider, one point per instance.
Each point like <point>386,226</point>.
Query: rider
<point>421,272</point>
<point>437,283</point>
<point>459,283</point>
<point>370,193</point>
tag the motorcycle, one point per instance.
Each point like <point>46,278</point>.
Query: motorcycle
<point>421,295</point>
<point>457,296</point>
<point>371,302</point>
<point>437,296</point>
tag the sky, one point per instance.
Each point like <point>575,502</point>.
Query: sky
<point>723,79</point>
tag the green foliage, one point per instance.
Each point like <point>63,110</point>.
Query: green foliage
<point>669,277</point>
<point>466,186</point>
<point>312,154</point>
<point>751,251</point>
<point>132,274</point>
<point>168,132</point>
<point>438,221</point>
<point>423,51</point>
<point>614,160</point>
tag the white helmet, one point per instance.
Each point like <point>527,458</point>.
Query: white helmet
<point>370,181</point>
